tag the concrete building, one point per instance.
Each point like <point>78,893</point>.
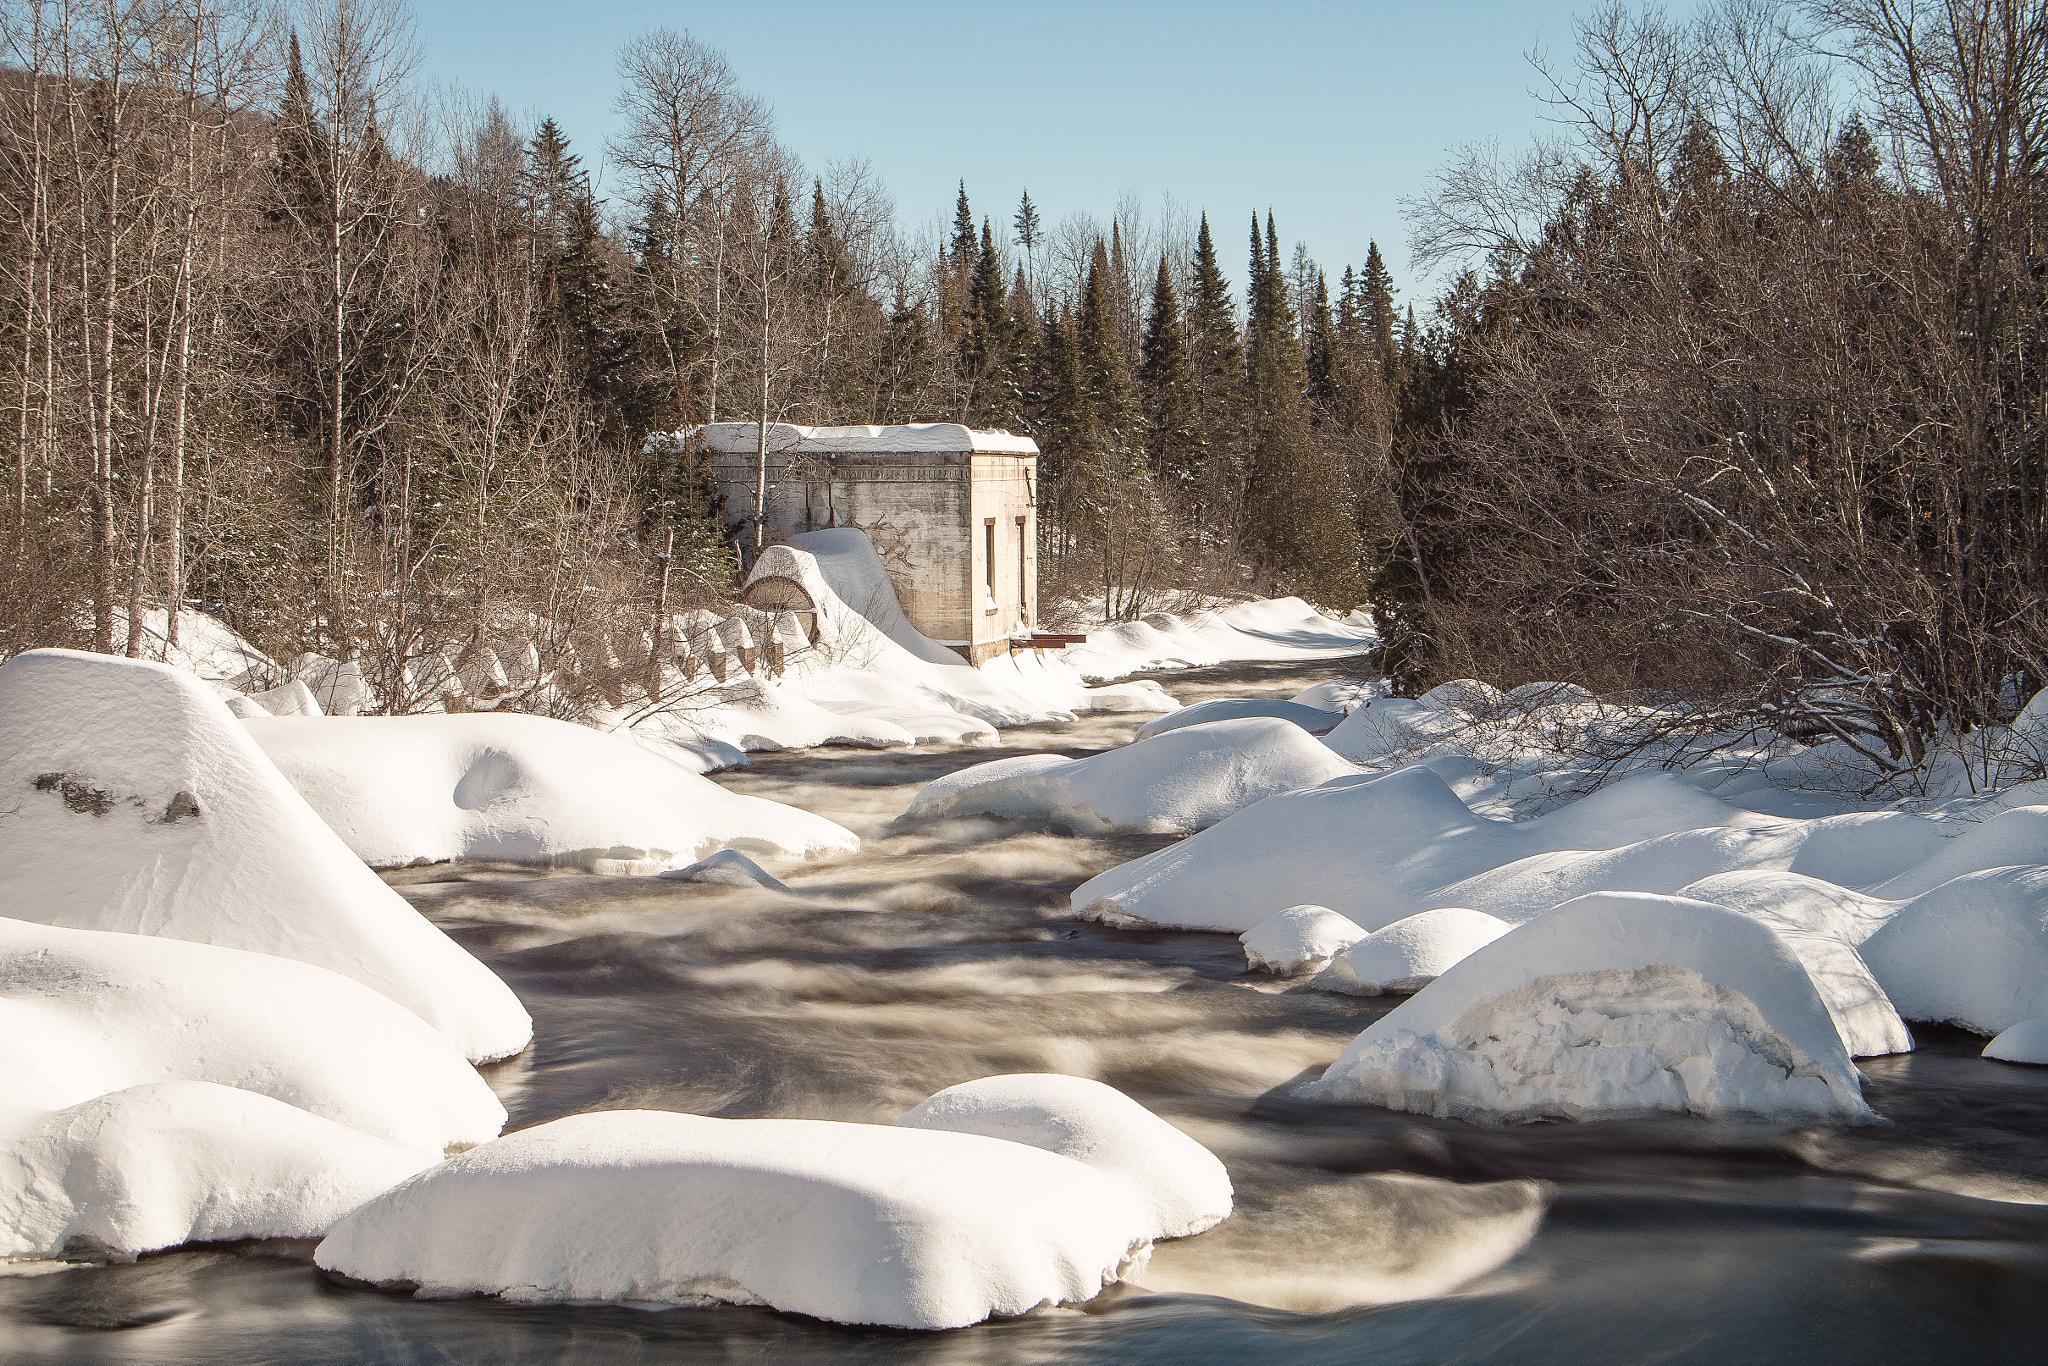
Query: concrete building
<point>952,512</point>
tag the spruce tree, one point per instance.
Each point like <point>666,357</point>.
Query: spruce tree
<point>1216,357</point>
<point>1376,291</point>
<point>1324,359</point>
<point>986,344</point>
<point>1112,405</point>
<point>1174,439</point>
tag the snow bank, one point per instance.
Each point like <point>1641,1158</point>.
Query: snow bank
<point>1185,779</point>
<point>1298,938</point>
<point>142,805</point>
<point>1409,954</point>
<point>854,1223</point>
<point>1613,1005</point>
<point>2026,1041</point>
<point>1971,952</point>
<point>1341,695</point>
<point>1280,629</point>
<point>153,1166</point>
<point>1823,924</point>
<point>523,789</point>
<point>1181,1185</point>
<point>1376,848</point>
<point>1310,719</point>
<point>84,1013</point>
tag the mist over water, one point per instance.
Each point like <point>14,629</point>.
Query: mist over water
<point>946,952</point>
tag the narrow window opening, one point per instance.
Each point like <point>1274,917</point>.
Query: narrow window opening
<point>988,561</point>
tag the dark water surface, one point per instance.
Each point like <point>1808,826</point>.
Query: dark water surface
<point>941,954</point>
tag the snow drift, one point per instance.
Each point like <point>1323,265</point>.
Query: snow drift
<point>140,804</point>
<point>856,1223</point>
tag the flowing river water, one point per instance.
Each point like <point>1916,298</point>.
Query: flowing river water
<point>939,954</point>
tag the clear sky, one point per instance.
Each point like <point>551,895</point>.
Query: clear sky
<point>1326,112</point>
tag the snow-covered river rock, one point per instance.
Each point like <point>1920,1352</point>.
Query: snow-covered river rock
<point>945,951</point>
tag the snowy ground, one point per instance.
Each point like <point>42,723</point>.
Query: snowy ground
<point>1717,941</point>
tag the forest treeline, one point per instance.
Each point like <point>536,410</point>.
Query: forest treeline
<point>1735,401</point>
<point>1740,406</point>
<point>373,376</point>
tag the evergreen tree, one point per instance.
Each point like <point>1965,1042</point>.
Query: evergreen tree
<point>1325,359</point>
<point>1172,405</point>
<point>960,259</point>
<point>1112,409</point>
<point>1216,359</point>
<point>986,346</point>
<point>1376,300</point>
<point>1026,225</point>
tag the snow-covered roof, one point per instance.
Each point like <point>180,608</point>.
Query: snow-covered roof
<point>742,438</point>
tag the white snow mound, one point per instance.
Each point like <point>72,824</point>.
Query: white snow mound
<point>1615,1004</point>
<point>2026,1041</point>
<point>1310,719</point>
<point>1182,1186</point>
<point>85,1012</point>
<point>856,1223</point>
<point>523,789</point>
<point>142,805</point>
<point>153,1166</point>
<point>1298,938</point>
<point>1972,952</point>
<point>1411,953</point>
<point>1182,780</point>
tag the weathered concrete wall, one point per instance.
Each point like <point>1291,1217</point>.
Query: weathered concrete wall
<point>1001,519</point>
<point>929,514</point>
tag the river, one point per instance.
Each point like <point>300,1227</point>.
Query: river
<point>940,954</point>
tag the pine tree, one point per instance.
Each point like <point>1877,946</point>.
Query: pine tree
<point>1027,227</point>
<point>1216,359</point>
<point>1324,358</point>
<point>1172,406</point>
<point>960,259</point>
<point>986,345</point>
<point>1299,515</point>
<point>1112,405</point>
<point>1376,306</point>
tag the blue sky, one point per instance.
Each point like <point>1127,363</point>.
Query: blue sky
<point>1329,113</point>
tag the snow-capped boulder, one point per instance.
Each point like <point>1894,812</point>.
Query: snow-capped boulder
<point>141,805</point>
<point>1411,953</point>
<point>1972,952</point>
<point>1311,719</point>
<point>727,868</point>
<point>85,1012</point>
<point>856,1223</point>
<point>524,789</point>
<point>1298,938</point>
<point>1616,1004</point>
<point>153,1166</point>
<point>2026,1042</point>
<point>1182,780</point>
<point>1182,1186</point>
